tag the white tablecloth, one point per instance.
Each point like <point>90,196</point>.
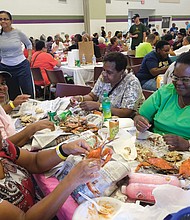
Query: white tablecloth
<point>80,74</point>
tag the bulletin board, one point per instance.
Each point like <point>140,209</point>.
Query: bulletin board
<point>86,48</point>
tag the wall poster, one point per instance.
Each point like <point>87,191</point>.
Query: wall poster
<point>166,22</point>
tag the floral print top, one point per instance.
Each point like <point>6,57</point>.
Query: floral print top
<point>128,94</point>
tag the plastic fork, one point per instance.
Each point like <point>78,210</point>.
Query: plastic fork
<point>99,208</point>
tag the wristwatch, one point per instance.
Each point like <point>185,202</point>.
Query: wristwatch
<point>100,107</point>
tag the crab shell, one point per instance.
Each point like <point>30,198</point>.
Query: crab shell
<point>184,169</point>
<point>157,163</point>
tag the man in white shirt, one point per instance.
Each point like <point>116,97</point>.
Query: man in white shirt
<point>183,49</point>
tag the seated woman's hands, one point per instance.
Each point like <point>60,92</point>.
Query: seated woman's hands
<point>176,142</point>
<point>77,147</point>
<point>42,124</point>
<point>75,100</point>
<point>84,171</point>
<point>141,123</point>
<point>20,99</point>
<point>90,105</point>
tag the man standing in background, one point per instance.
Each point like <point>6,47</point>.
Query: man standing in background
<point>137,32</point>
<point>103,33</point>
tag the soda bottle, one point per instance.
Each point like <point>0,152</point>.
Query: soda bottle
<point>93,60</point>
<point>52,117</point>
<point>106,106</point>
<point>63,116</point>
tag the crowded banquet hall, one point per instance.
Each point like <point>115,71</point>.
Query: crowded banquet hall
<point>95,107</point>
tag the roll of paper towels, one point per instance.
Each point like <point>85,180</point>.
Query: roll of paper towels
<point>76,54</point>
<point>71,60</point>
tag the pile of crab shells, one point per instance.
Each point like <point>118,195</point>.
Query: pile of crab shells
<point>76,125</point>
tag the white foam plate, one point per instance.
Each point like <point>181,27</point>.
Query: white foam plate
<point>86,211</point>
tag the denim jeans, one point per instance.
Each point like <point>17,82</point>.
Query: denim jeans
<point>150,85</point>
<point>21,80</point>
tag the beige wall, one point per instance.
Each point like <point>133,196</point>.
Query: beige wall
<point>97,9</point>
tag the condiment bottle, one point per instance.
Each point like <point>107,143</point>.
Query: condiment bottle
<point>156,179</point>
<point>139,191</point>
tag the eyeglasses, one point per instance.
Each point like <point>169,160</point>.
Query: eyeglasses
<point>5,19</point>
<point>182,79</point>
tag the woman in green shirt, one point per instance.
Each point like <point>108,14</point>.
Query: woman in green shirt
<point>167,111</point>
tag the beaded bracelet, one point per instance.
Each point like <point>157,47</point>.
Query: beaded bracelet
<point>12,105</point>
<point>60,153</point>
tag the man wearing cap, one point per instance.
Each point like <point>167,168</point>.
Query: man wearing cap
<point>137,32</point>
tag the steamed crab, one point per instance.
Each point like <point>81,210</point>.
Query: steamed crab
<point>99,153</point>
<point>77,125</point>
<point>184,169</point>
<point>162,165</point>
<point>159,164</point>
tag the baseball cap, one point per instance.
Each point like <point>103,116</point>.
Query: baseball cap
<point>135,16</point>
<point>5,74</point>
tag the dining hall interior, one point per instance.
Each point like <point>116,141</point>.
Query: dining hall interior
<point>95,105</point>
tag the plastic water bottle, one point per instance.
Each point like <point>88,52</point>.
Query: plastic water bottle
<point>156,179</point>
<point>106,106</point>
<point>83,59</point>
<point>93,60</point>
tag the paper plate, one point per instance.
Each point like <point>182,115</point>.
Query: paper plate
<point>86,211</point>
<point>125,147</point>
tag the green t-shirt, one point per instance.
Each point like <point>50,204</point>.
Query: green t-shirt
<point>162,109</point>
<point>137,29</point>
<point>143,49</point>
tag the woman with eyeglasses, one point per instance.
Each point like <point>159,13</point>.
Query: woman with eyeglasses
<point>13,59</point>
<point>7,128</point>
<point>167,111</point>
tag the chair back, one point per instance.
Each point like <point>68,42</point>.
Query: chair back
<point>135,68</point>
<point>55,76</point>
<point>97,72</point>
<point>134,60</point>
<point>64,89</point>
<point>147,93</point>
<point>102,51</point>
<point>37,76</point>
